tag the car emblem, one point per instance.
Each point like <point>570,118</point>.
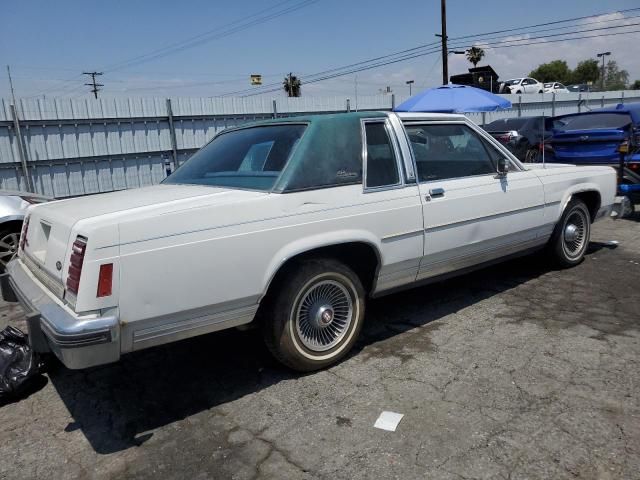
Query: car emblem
<point>584,138</point>
<point>59,265</point>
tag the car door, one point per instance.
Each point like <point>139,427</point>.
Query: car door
<point>529,85</point>
<point>393,200</point>
<point>471,214</point>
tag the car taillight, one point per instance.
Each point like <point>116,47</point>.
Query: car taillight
<point>75,264</point>
<point>623,147</point>
<point>635,167</point>
<point>23,235</point>
<point>105,280</point>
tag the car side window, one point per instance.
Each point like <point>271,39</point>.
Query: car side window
<point>445,151</point>
<point>381,164</point>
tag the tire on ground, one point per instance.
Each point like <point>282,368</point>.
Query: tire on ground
<point>298,328</point>
<point>571,234</point>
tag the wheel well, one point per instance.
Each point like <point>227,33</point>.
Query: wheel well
<point>592,201</point>
<point>11,226</point>
<point>361,257</point>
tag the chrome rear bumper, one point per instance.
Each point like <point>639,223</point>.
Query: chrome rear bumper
<point>79,341</point>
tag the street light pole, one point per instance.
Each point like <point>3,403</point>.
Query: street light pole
<point>409,82</point>
<point>603,54</point>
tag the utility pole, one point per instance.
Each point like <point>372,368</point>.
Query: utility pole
<point>93,83</point>
<point>445,54</point>
<point>603,54</point>
<point>13,95</point>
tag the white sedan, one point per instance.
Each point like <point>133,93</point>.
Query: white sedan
<point>522,85</point>
<point>291,224</point>
<point>555,87</point>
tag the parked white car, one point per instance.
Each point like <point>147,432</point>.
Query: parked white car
<point>292,224</point>
<point>13,207</point>
<point>522,85</point>
<point>555,87</point>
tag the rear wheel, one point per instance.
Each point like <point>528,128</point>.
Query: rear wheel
<point>571,236</point>
<point>9,241</point>
<point>315,314</point>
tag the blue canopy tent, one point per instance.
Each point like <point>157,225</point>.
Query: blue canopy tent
<point>454,98</point>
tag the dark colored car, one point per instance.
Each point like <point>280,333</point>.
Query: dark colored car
<point>597,138</point>
<point>521,135</point>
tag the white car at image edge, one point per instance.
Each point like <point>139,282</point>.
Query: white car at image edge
<point>522,85</point>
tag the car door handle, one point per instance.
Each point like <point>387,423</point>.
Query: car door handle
<point>435,192</point>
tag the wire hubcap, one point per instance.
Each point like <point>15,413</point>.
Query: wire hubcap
<point>575,234</point>
<point>324,314</point>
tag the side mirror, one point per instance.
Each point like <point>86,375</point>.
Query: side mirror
<point>503,167</point>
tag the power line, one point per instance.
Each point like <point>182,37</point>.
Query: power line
<point>422,54</point>
<point>214,34</point>
<point>566,20</point>
<point>558,34</point>
<point>190,42</point>
<point>267,88</point>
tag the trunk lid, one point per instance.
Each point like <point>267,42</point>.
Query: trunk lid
<point>587,146</point>
<point>50,224</point>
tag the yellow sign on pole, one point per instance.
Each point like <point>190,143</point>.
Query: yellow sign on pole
<point>256,79</point>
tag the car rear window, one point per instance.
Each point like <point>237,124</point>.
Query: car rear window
<point>245,158</point>
<point>592,120</point>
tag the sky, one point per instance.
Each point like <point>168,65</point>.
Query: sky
<point>49,44</point>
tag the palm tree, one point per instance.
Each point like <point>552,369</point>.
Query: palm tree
<point>292,85</point>
<point>474,55</point>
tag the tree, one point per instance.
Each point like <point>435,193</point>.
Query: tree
<point>635,85</point>
<point>586,72</point>
<point>554,71</point>
<point>474,55</point>
<point>292,85</point>
<point>614,78</point>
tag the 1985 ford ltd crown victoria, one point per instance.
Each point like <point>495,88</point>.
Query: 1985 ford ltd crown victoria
<point>291,224</point>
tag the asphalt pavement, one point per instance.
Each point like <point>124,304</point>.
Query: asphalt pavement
<point>516,371</point>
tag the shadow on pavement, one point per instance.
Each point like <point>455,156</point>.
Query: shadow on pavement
<point>116,405</point>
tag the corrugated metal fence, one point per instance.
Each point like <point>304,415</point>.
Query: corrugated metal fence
<point>75,147</point>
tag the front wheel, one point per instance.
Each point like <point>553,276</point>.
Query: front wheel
<point>571,235</point>
<point>315,314</point>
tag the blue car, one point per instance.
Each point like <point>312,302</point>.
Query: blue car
<point>596,138</point>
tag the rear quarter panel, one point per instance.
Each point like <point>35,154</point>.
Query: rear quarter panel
<point>561,182</point>
<point>182,265</point>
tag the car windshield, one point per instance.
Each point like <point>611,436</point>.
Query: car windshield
<point>515,81</point>
<point>245,158</point>
<point>505,124</point>
<point>592,120</point>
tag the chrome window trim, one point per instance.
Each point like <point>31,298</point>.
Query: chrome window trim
<point>396,153</point>
<point>405,147</point>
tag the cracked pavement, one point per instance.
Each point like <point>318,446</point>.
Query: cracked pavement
<point>515,371</point>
